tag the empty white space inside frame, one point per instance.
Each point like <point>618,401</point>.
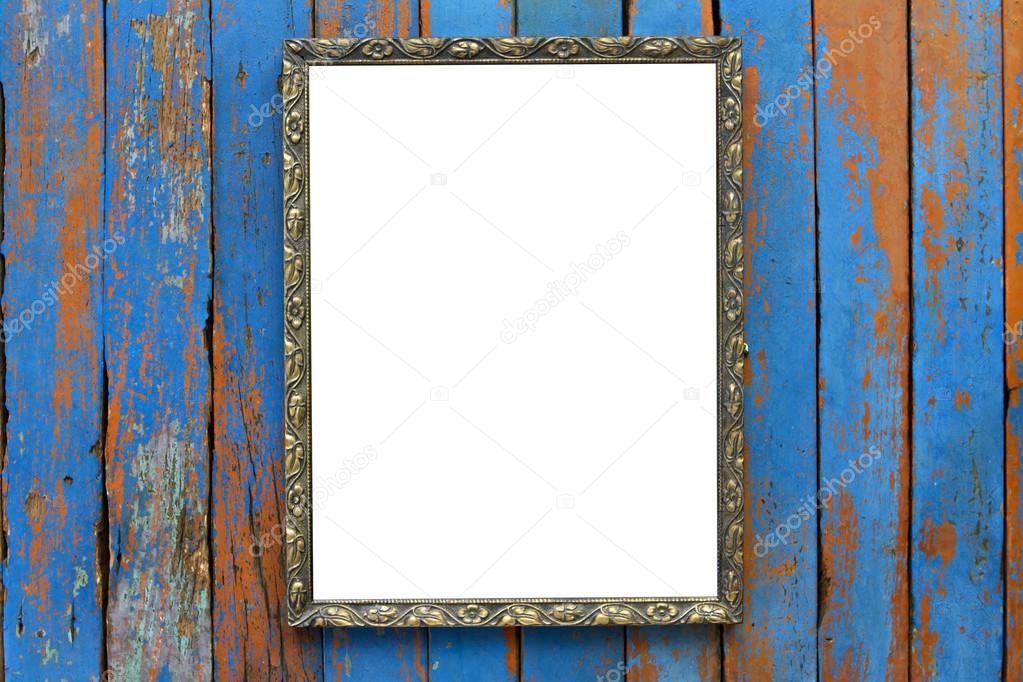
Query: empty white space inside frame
<point>514,331</point>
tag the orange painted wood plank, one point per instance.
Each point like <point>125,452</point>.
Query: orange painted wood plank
<point>156,331</point>
<point>251,637</point>
<point>54,568</point>
<point>1012,55</point>
<point>863,263</point>
<point>958,360</point>
<point>1012,112</point>
<point>778,638</point>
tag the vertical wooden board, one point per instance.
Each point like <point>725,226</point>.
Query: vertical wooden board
<point>362,18</point>
<point>251,637</point>
<point>1012,46</point>
<point>364,654</point>
<point>375,654</point>
<point>674,653</point>
<point>863,260</point>
<point>458,654</point>
<point>157,338</point>
<point>958,432</point>
<point>562,654</point>
<point>573,654</point>
<point>472,654</point>
<point>670,17</point>
<point>777,639</point>
<point>1012,54</point>
<point>466,18</point>
<point>51,67</point>
<point>679,652</point>
<point>568,17</point>
<point>1014,537</point>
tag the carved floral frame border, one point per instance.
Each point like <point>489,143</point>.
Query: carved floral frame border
<point>727,606</point>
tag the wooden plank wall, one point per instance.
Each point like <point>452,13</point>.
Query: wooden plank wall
<point>141,299</point>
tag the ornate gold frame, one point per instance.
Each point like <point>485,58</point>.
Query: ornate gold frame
<point>727,606</point>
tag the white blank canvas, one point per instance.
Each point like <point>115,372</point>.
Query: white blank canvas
<point>513,277</point>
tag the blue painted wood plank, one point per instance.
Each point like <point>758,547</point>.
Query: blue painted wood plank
<point>375,654</point>
<point>568,17</point>
<point>670,17</point>
<point>958,431</point>
<point>561,654</point>
<point>679,652</point>
<point>363,654</point>
<point>157,340</point>
<point>51,67</point>
<point>251,637</point>
<point>863,256</point>
<point>573,654</point>
<point>472,654</point>
<point>777,639</point>
<point>451,18</point>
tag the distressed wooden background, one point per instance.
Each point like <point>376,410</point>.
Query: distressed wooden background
<point>142,345</point>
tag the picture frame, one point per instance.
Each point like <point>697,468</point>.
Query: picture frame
<point>726,606</point>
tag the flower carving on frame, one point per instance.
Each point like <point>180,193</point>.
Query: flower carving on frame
<point>566,613</point>
<point>378,49</point>
<point>732,496</point>
<point>731,113</point>
<point>563,49</point>
<point>296,312</point>
<point>473,614</point>
<point>661,612</point>
<point>294,127</point>
<point>733,304</point>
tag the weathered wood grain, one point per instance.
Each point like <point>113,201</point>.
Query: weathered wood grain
<point>157,338</point>
<point>863,255</point>
<point>681,652</point>
<point>777,639</point>
<point>670,17</point>
<point>374,654</point>
<point>1012,112</point>
<point>958,430</point>
<point>568,17</point>
<point>251,637</point>
<point>1013,537</point>
<point>361,654</point>
<point>451,18</point>
<point>51,67</point>
<point>563,654</point>
<point>361,18</point>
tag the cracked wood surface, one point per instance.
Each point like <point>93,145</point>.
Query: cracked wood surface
<point>141,461</point>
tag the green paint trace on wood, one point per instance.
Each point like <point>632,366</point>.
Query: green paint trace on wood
<point>157,342</point>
